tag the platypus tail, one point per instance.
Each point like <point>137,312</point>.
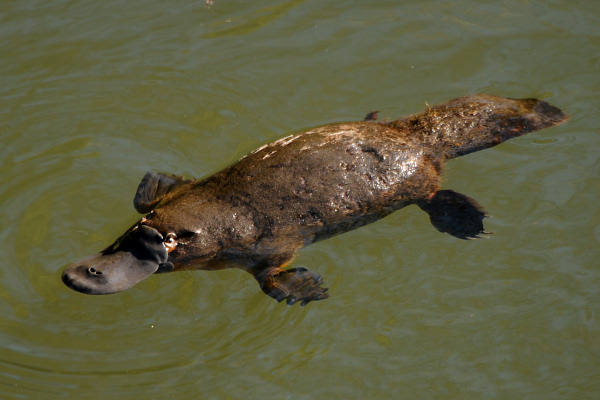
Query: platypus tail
<point>473,123</point>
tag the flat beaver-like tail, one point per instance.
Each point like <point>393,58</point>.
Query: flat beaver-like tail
<point>473,123</point>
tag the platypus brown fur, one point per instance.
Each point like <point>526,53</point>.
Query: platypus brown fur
<point>257,213</point>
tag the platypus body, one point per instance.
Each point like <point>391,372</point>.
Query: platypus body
<point>256,214</point>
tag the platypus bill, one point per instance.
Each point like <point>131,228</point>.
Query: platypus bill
<point>256,214</point>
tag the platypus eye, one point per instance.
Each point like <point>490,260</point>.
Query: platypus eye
<point>170,241</point>
<point>170,238</point>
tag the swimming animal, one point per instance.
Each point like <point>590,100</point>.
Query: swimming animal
<point>257,213</point>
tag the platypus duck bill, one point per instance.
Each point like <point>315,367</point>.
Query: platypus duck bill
<point>139,253</point>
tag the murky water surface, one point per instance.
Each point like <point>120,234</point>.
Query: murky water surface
<point>93,94</point>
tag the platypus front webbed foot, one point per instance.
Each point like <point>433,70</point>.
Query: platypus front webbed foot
<point>292,285</point>
<point>455,213</point>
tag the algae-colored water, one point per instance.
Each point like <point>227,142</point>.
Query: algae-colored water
<point>93,94</point>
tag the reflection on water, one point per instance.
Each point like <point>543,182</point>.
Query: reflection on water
<point>96,93</point>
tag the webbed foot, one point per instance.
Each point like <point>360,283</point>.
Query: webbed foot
<point>153,187</point>
<point>456,214</point>
<point>292,285</point>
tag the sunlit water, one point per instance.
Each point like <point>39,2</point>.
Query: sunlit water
<point>93,94</point>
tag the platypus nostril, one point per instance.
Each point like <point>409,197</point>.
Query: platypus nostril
<point>94,271</point>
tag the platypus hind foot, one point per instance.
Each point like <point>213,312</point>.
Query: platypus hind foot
<point>292,285</point>
<point>456,214</point>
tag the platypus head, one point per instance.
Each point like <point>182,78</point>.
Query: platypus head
<point>137,254</point>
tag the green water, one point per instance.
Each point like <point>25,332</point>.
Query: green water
<point>93,94</point>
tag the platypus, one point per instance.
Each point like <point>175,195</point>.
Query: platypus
<point>257,213</point>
